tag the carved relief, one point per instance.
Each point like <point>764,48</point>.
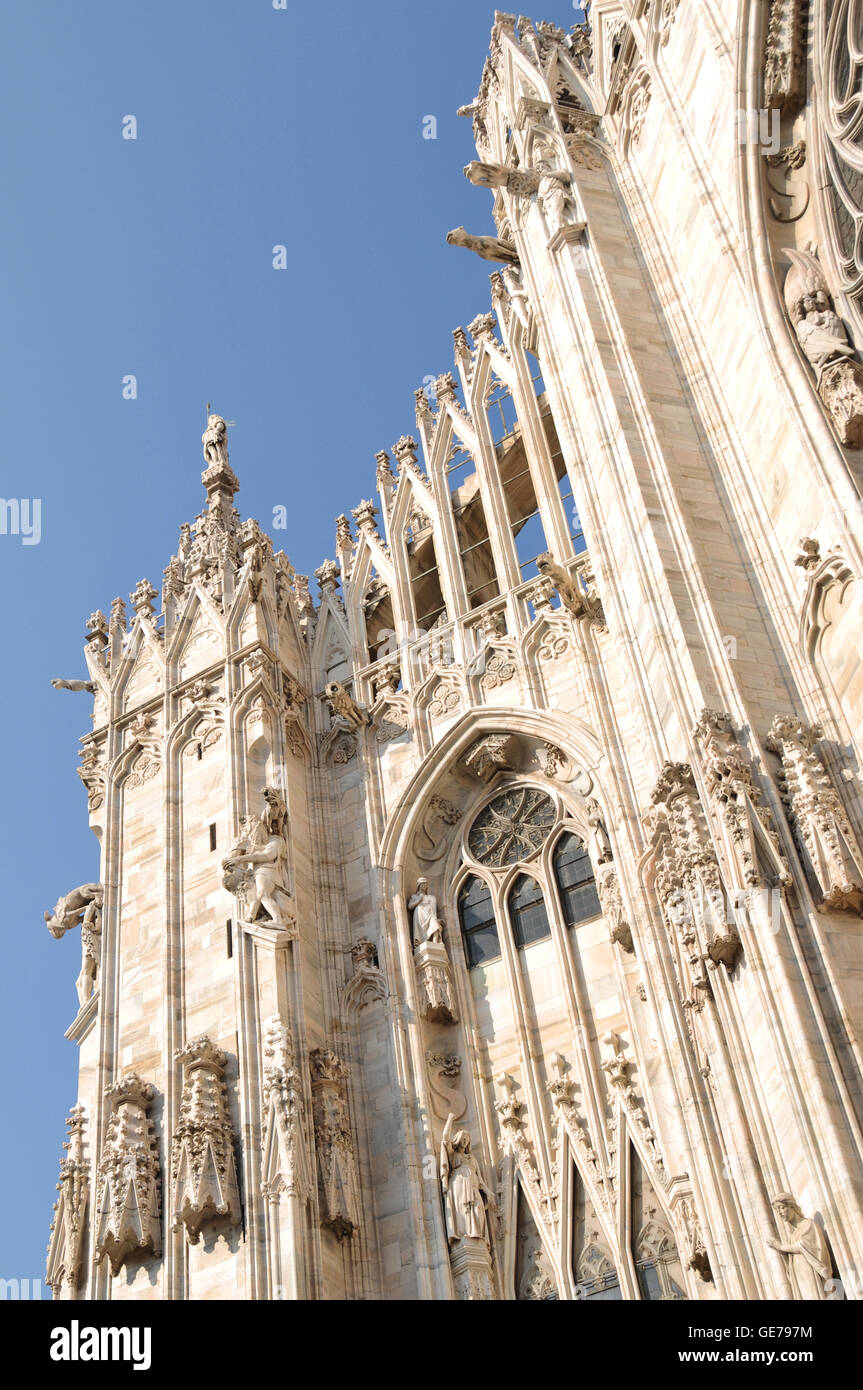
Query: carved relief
<point>284,1167</point>
<point>822,336</point>
<point>611,901</point>
<point>203,1171</point>
<point>828,845</point>
<point>337,1177</point>
<point>367,984</point>
<point>784,56</point>
<point>127,1189</point>
<point>489,755</point>
<point>432,837</point>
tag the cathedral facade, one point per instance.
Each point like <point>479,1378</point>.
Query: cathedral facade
<point>486,924</point>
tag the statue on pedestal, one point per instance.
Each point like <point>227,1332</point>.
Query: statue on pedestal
<point>256,872</point>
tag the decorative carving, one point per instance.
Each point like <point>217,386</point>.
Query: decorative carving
<point>81,908</point>
<point>285,1167</point>
<point>807,1255</point>
<point>127,1189</point>
<point>822,336</point>
<point>203,1171</point>
<point>142,732</point>
<point>729,781</point>
<point>445,698</point>
<point>367,983</point>
<point>92,771</point>
<point>576,598</point>
<point>490,248</point>
<point>810,554</point>
<point>432,836</point>
<point>68,1227</point>
<point>433,968</point>
<point>256,869</point>
<point>611,901</point>
<point>552,760</point>
<point>514,1141</point>
<point>489,755</point>
<point>334,1145</point>
<point>598,843</point>
<point>688,879</point>
<point>784,63</point>
<point>346,714</point>
<point>616,1068</point>
<point>827,843</point>
<point>444,1077</point>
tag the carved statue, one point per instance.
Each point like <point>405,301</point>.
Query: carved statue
<point>343,707</point>
<point>571,595</point>
<point>466,1196</point>
<point>82,907</point>
<point>552,194</point>
<point>427,926</point>
<point>490,248</point>
<point>255,870</point>
<point>808,1257</point>
<point>598,844</point>
<point>89,686</point>
<point>215,441</point>
<point>822,336</point>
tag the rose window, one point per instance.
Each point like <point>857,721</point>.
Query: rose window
<point>512,827</point>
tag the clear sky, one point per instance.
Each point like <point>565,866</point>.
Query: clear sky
<point>153,257</point>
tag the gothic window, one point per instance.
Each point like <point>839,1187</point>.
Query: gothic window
<point>592,1262</point>
<point>378,611</point>
<point>535,374</point>
<point>567,500</point>
<point>573,874</point>
<point>527,911</point>
<point>478,925</point>
<point>657,1263</point>
<point>471,528</point>
<point>534,1280</point>
<point>425,579</point>
<point>513,826</point>
<point>838,27</point>
<point>500,408</point>
<point>525,523</point>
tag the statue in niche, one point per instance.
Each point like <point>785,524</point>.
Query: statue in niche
<point>490,248</point>
<point>806,1252</point>
<point>426,923</point>
<point>82,907</point>
<point>822,336</point>
<point>598,843</point>
<point>256,871</point>
<point>466,1197</point>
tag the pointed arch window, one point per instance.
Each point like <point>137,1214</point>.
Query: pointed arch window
<point>478,925</point>
<point>573,874</point>
<point>527,911</point>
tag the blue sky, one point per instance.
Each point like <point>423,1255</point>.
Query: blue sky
<point>256,127</point>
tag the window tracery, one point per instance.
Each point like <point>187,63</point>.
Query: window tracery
<point>512,827</point>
